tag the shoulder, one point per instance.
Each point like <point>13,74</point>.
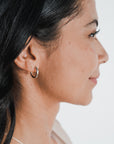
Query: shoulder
<point>60,132</point>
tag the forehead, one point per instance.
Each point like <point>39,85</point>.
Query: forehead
<point>89,9</point>
<point>87,15</point>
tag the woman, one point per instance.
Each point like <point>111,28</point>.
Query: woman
<point>49,54</point>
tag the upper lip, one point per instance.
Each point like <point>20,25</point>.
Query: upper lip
<point>94,76</point>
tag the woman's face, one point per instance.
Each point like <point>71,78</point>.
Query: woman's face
<point>70,72</point>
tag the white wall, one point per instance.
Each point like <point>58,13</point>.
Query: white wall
<point>94,124</point>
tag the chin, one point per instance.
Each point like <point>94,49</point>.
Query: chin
<point>83,99</point>
<point>86,103</point>
<point>86,100</point>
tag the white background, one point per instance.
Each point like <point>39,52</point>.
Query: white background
<point>94,124</point>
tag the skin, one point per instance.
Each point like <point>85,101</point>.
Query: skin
<point>64,76</point>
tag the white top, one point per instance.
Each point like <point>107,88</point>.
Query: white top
<point>59,135</point>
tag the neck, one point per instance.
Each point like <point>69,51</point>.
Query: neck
<point>35,116</point>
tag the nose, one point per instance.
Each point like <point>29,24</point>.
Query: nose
<point>102,54</point>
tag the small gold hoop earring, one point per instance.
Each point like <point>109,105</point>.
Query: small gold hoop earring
<point>37,73</point>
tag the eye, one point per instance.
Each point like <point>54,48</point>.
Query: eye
<point>94,34</point>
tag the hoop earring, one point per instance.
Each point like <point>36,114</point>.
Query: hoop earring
<point>37,73</point>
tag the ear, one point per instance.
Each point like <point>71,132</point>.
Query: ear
<point>29,58</point>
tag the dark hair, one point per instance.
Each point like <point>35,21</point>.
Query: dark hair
<point>19,20</point>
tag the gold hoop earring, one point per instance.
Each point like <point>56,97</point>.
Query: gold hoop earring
<point>37,73</point>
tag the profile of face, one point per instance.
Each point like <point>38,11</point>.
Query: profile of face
<point>70,73</point>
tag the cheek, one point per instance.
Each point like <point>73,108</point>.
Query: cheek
<point>80,58</point>
<point>92,58</point>
<point>66,72</point>
<point>60,74</point>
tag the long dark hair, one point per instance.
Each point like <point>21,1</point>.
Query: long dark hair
<point>19,20</point>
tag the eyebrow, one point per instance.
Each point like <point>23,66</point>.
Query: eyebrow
<point>95,21</point>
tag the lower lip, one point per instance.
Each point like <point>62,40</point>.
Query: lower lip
<point>93,80</point>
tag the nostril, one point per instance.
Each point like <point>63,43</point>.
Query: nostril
<point>103,58</point>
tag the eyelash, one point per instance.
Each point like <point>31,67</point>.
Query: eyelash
<point>94,34</point>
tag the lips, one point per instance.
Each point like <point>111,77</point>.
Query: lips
<point>94,79</point>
